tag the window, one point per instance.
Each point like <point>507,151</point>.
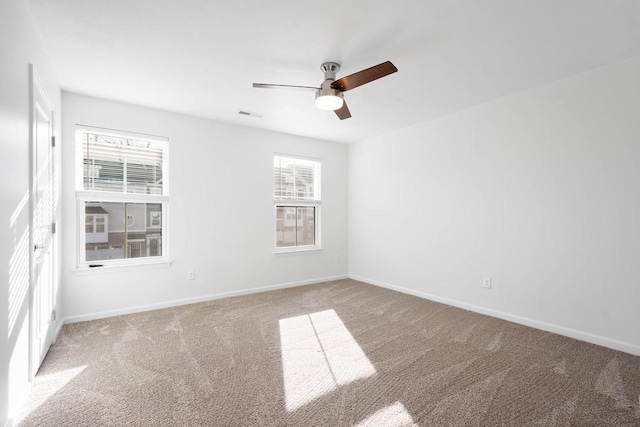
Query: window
<point>122,196</point>
<point>297,203</point>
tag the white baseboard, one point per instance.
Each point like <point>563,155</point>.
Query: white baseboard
<point>537,324</point>
<point>193,300</point>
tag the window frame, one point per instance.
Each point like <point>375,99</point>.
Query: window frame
<point>83,196</point>
<point>316,203</point>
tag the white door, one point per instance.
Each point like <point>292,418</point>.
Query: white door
<point>43,200</point>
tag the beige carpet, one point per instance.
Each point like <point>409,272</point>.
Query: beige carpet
<point>337,353</point>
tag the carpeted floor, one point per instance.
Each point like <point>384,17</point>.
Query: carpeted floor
<point>337,353</point>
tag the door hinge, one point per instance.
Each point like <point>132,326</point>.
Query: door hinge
<point>53,315</point>
<point>53,227</point>
<point>53,141</point>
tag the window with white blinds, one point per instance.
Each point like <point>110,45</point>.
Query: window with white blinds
<point>297,203</point>
<point>296,178</point>
<point>122,164</point>
<point>123,198</point>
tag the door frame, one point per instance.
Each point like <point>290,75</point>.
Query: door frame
<point>37,90</point>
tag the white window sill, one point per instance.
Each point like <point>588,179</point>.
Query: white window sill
<point>118,268</point>
<point>298,250</point>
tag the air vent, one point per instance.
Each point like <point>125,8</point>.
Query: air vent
<point>250,114</point>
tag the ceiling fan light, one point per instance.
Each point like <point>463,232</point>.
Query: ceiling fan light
<point>328,98</point>
<point>329,102</point>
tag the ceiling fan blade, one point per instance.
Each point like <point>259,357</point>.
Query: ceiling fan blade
<point>343,112</point>
<point>270,86</point>
<point>365,76</point>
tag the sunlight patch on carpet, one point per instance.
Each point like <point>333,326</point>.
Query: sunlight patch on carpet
<point>47,385</point>
<point>319,354</point>
<point>395,415</point>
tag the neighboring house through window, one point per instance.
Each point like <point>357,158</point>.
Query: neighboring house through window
<point>123,198</point>
<point>297,203</point>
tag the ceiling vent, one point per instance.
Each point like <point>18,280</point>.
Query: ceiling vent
<point>250,114</point>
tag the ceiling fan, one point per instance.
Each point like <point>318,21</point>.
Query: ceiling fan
<point>329,96</point>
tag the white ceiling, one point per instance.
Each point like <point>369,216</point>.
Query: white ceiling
<point>199,57</point>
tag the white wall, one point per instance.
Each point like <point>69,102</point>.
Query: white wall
<point>538,190</point>
<point>19,46</point>
<point>221,212</point>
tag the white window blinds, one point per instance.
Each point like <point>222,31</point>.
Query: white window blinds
<point>296,179</point>
<point>123,164</point>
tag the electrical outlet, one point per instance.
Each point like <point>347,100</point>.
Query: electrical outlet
<point>338,259</point>
<point>486,283</point>
<point>191,275</point>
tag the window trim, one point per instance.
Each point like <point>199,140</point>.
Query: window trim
<point>82,196</point>
<point>293,203</point>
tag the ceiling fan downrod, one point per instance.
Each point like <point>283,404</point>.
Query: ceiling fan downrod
<point>330,69</point>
